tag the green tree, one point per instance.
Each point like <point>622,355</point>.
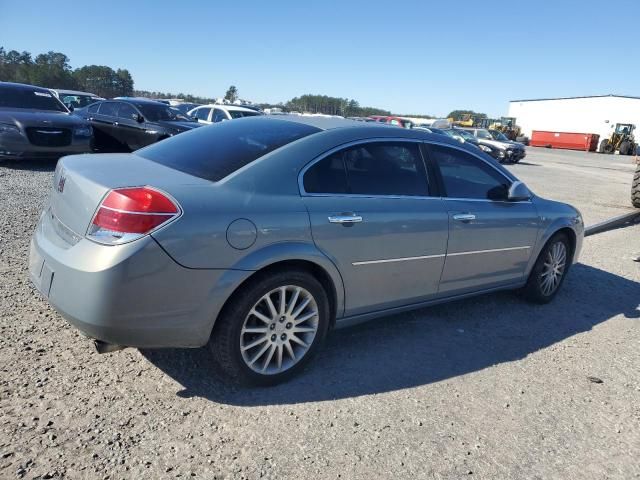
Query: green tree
<point>232,94</point>
<point>460,114</point>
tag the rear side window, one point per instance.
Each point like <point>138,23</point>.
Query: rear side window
<point>466,176</point>
<point>203,113</point>
<point>377,168</point>
<point>215,151</point>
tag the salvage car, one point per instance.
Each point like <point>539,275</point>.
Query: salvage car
<point>125,125</point>
<point>507,151</point>
<point>35,124</point>
<point>255,237</point>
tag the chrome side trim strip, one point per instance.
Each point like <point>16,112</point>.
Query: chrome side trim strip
<point>489,251</point>
<point>426,257</point>
<point>402,259</point>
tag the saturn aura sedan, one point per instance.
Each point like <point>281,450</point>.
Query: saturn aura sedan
<point>257,236</point>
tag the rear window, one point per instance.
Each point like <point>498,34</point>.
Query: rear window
<point>215,151</point>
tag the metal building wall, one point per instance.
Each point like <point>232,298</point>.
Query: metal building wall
<point>584,115</point>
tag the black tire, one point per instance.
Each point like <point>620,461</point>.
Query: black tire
<point>635,188</point>
<point>625,147</point>
<point>224,343</point>
<point>605,146</point>
<point>533,290</point>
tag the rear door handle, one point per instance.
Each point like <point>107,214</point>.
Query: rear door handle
<point>464,217</point>
<point>345,219</point>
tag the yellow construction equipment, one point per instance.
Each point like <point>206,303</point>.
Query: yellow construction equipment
<point>621,140</point>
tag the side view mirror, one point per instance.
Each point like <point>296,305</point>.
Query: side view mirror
<point>140,119</point>
<point>518,192</point>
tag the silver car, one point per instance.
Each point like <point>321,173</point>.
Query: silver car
<point>257,236</point>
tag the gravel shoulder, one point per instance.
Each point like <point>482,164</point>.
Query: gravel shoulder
<point>490,387</point>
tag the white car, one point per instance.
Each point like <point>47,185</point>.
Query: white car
<point>217,113</point>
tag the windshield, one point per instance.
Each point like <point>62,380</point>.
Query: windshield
<point>76,101</point>
<point>484,134</point>
<point>29,99</point>
<point>499,136</point>
<point>161,112</point>
<point>241,113</point>
<point>466,135</point>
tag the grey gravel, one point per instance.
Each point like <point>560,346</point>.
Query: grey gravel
<point>490,387</point>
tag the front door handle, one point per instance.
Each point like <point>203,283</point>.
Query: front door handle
<point>345,219</point>
<point>464,217</point>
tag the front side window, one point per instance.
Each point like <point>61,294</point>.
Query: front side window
<point>465,176</point>
<point>109,109</point>
<point>127,112</point>
<point>93,108</point>
<point>377,168</point>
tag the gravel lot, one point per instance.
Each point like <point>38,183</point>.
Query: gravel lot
<point>485,388</point>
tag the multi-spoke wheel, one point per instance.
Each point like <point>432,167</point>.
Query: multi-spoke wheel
<point>271,327</point>
<point>279,329</point>
<point>549,271</point>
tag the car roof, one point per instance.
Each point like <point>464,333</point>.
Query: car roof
<point>25,86</point>
<point>73,92</point>
<point>227,106</point>
<point>140,100</point>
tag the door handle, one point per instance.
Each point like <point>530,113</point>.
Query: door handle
<point>345,219</point>
<point>464,217</point>
<point>115,124</point>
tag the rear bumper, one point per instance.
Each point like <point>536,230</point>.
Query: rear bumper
<point>130,295</point>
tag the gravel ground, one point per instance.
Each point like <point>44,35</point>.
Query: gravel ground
<point>485,388</point>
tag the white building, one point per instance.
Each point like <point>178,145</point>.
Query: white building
<point>595,114</point>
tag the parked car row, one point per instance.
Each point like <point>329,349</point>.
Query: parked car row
<point>127,124</point>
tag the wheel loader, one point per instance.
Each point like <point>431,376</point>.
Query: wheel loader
<point>621,140</point>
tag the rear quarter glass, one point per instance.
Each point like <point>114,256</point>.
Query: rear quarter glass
<point>218,150</point>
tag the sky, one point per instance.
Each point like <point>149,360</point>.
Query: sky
<point>417,57</point>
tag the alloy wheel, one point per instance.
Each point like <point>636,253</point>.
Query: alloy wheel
<point>279,330</point>
<point>553,268</point>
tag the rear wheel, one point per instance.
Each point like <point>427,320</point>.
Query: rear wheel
<point>549,270</point>
<point>635,188</point>
<point>271,328</point>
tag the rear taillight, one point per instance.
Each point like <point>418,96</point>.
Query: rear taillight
<point>127,214</point>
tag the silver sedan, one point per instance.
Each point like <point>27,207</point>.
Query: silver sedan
<point>257,236</point>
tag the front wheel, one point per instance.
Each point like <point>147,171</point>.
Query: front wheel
<point>271,328</point>
<point>549,271</point>
<point>605,146</point>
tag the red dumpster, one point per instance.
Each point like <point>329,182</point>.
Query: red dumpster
<point>571,141</point>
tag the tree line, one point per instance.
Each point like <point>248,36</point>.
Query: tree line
<point>52,70</point>
<point>331,106</point>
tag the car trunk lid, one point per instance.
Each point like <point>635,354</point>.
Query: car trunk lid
<point>81,182</point>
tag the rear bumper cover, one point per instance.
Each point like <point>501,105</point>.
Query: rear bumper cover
<point>130,295</point>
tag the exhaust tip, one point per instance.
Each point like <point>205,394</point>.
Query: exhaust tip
<point>104,347</point>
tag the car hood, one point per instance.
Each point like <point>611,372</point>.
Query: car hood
<point>500,144</point>
<point>39,118</point>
